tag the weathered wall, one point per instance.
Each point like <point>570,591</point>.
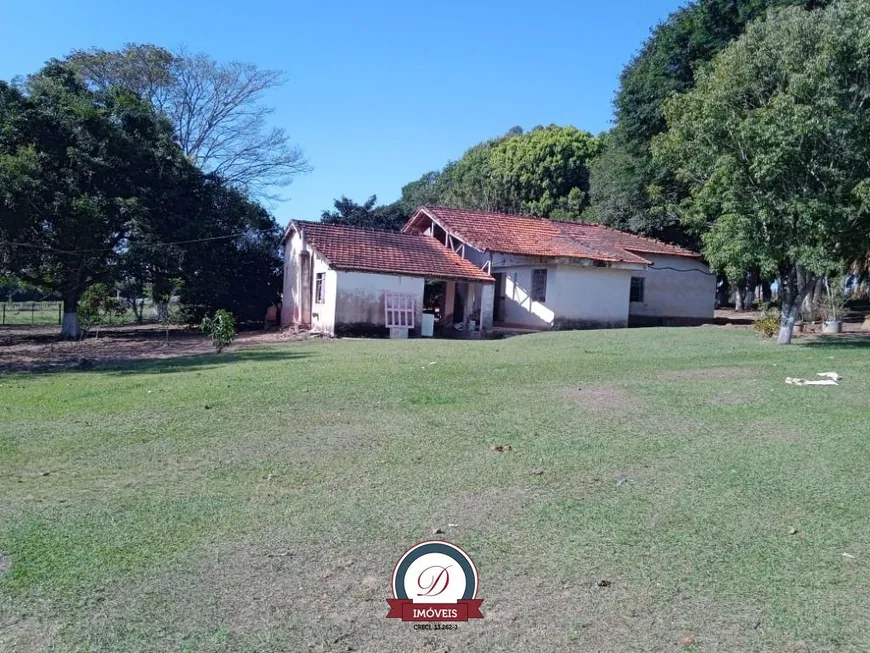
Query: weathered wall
<point>688,296</point>
<point>576,297</point>
<point>323,315</point>
<point>290,300</point>
<point>591,297</point>
<point>360,300</point>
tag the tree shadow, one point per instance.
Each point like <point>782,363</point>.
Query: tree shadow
<point>197,362</point>
<point>842,341</point>
<point>169,365</point>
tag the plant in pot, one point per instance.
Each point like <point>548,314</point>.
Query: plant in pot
<point>833,307</point>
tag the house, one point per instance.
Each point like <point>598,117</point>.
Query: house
<point>564,275</point>
<point>475,270</point>
<point>343,280</point>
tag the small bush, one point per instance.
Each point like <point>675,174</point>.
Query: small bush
<point>221,327</point>
<point>767,325</point>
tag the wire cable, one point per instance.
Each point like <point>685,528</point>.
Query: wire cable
<point>109,249</point>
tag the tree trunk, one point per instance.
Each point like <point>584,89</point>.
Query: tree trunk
<point>722,291</point>
<point>738,297</point>
<point>766,294</point>
<point>137,309</point>
<point>69,329</point>
<point>810,305</point>
<point>795,287</point>
<point>786,324</point>
<point>749,291</point>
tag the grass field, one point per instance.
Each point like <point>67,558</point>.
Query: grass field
<point>258,500</point>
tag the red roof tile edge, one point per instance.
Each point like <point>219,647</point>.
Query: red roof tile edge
<point>450,266</point>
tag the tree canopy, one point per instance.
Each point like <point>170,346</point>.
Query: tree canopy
<point>346,212</point>
<point>94,189</point>
<point>629,189</point>
<point>774,146</point>
<point>216,109</point>
<point>74,166</point>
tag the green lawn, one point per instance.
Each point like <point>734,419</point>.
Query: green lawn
<point>258,500</point>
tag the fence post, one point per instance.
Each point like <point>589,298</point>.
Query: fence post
<point>4,312</point>
<point>32,312</point>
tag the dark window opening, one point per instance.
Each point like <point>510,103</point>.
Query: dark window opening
<point>539,285</point>
<point>636,294</point>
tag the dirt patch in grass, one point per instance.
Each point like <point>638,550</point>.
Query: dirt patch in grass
<point>607,397</point>
<point>22,632</point>
<point>479,511</point>
<point>277,594</point>
<point>37,349</point>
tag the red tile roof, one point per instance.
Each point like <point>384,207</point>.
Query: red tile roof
<point>387,252</point>
<point>622,239</point>
<point>532,236</point>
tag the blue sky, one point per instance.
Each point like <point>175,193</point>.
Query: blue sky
<point>378,92</point>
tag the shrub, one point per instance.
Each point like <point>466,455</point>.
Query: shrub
<point>833,306</point>
<point>221,327</point>
<point>767,325</point>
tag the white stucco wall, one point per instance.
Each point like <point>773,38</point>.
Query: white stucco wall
<point>290,296</point>
<point>577,296</point>
<point>360,298</point>
<point>517,306</point>
<point>668,293</point>
<point>323,315</point>
<point>586,297</point>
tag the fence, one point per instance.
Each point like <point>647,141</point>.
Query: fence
<point>31,313</point>
<point>51,314</point>
<point>25,314</point>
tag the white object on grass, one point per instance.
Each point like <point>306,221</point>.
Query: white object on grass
<point>829,378</point>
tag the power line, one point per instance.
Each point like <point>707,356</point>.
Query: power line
<point>109,249</point>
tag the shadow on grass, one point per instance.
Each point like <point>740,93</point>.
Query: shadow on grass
<point>202,361</point>
<point>846,341</point>
<point>170,365</point>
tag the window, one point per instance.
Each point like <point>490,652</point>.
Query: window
<point>319,289</point>
<point>539,285</point>
<point>636,294</point>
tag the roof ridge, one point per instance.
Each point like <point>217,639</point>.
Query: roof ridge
<point>510,215</point>
<point>656,241</point>
<point>351,226</point>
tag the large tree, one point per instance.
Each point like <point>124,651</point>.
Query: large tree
<point>218,110</point>
<point>543,172</point>
<point>370,214</point>
<point>74,165</point>
<point>629,188</point>
<point>774,145</point>
<point>234,261</point>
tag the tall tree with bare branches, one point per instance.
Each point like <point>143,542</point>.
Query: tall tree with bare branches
<point>218,111</point>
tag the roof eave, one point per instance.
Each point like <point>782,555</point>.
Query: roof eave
<point>401,273</point>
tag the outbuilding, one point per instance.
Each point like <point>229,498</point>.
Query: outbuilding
<point>342,280</point>
<point>568,275</point>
